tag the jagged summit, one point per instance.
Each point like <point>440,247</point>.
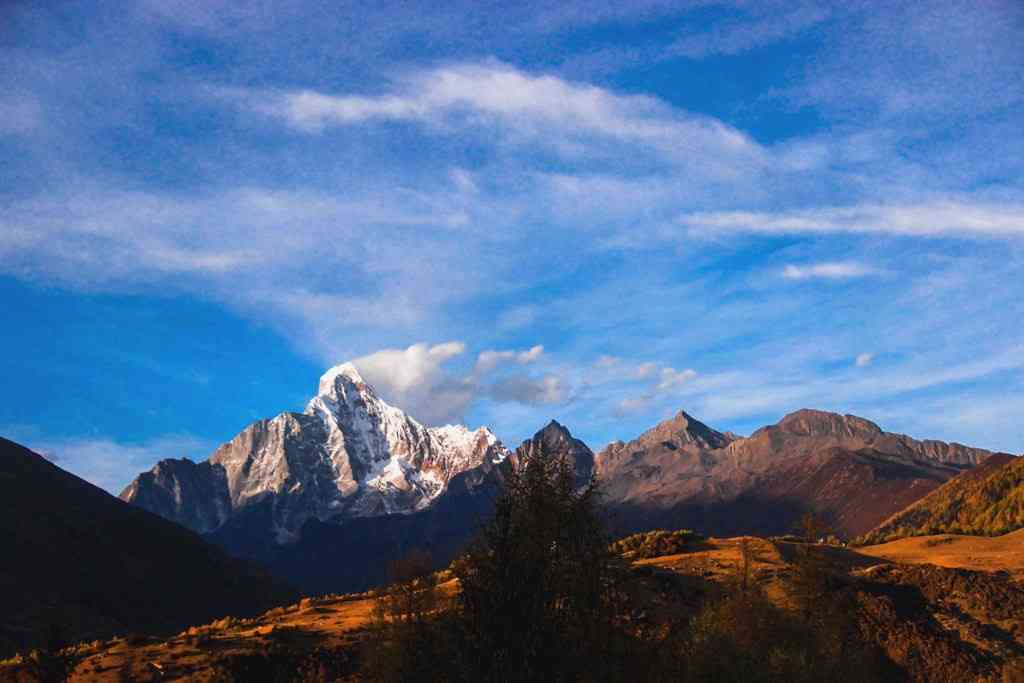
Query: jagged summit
<point>681,430</point>
<point>346,372</point>
<point>554,440</point>
<point>349,454</point>
<point>554,429</point>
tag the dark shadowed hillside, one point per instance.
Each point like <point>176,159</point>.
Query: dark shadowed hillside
<point>985,501</point>
<point>353,556</point>
<point>79,561</point>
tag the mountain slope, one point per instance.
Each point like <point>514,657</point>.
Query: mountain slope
<point>348,455</point>
<point>682,473</point>
<point>80,559</point>
<point>985,501</point>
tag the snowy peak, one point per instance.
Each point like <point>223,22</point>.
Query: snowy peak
<point>349,454</point>
<point>342,377</point>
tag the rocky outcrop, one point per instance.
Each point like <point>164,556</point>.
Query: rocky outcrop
<point>195,495</point>
<point>555,441</point>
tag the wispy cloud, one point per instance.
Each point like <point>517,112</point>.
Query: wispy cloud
<point>657,383</point>
<point>488,360</point>
<point>528,106</point>
<point>671,378</point>
<point>833,270</point>
<point>938,62</point>
<point>366,179</point>
<point>933,219</point>
<point>742,35</point>
<point>548,389</point>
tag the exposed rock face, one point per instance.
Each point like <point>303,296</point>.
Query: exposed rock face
<point>669,460</point>
<point>683,473</point>
<point>555,441</point>
<point>193,494</point>
<point>349,454</point>
<point>815,428</point>
<point>353,555</point>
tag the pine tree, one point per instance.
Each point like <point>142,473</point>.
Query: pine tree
<point>538,588</point>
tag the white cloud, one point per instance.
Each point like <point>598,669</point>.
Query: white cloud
<point>632,404</point>
<point>417,380</point>
<point>667,381</point>
<point>414,379</point>
<point>935,219</point>
<point>645,370</point>
<point>947,63</point>
<point>836,270</point>
<point>672,378</point>
<point>549,389</point>
<point>865,359</point>
<point>530,105</point>
<point>516,318</point>
<point>489,360</point>
<point>606,361</point>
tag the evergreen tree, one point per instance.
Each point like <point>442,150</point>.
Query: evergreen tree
<point>539,596</point>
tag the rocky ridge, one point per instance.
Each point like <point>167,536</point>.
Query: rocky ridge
<point>682,473</point>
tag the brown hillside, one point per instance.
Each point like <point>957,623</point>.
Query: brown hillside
<point>683,474</point>
<point>982,553</point>
<point>986,501</point>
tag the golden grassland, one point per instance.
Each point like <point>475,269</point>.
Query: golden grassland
<point>345,620</point>
<point>329,621</point>
<point>981,553</point>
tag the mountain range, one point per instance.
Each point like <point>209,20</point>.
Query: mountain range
<point>843,468</point>
<point>325,497</point>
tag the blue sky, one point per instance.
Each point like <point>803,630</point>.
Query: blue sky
<point>595,212</point>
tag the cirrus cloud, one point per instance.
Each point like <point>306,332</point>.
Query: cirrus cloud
<point>931,219</point>
<point>834,270</point>
<point>527,105</point>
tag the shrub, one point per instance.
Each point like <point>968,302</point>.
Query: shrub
<point>656,544</point>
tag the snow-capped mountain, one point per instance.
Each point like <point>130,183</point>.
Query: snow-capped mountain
<point>349,454</point>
